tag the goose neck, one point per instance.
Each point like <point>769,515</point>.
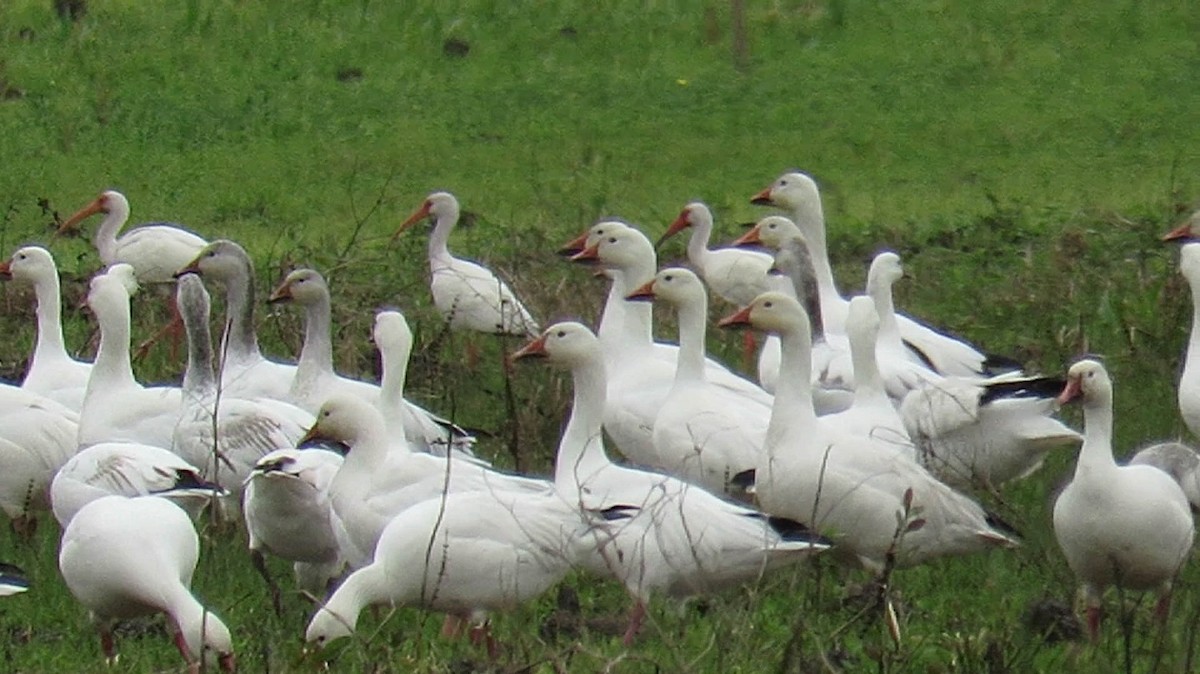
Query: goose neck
<point>439,238</point>
<point>113,366</point>
<point>241,338</point>
<point>1097,452</point>
<point>50,342</point>
<point>316,355</point>
<point>793,405</point>
<point>692,333</point>
<point>105,238</point>
<point>810,218</point>
<point>581,450</point>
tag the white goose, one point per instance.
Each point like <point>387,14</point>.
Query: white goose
<point>288,514</point>
<point>641,370</point>
<point>37,436</point>
<point>316,379</point>
<point>223,434</point>
<point>125,557</point>
<point>967,430</point>
<point>1178,460</point>
<point>667,536</point>
<point>424,431</point>
<point>703,434</point>
<point>155,250</point>
<point>52,372</point>
<point>12,580</point>
<point>797,193</point>
<point>128,469</point>
<point>469,296</point>
<point>244,370</point>
<point>1189,379</point>
<point>464,554</point>
<point>870,492</point>
<point>1117,525</point>
<point>381,476</point>
<point>116,408</point>
<point>736,275</point>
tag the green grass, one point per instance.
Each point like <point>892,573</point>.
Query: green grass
<point>1022,157</point>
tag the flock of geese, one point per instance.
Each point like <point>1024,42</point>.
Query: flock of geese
<point>859,439</point>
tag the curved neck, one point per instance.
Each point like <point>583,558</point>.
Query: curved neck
<point>367,455</point>
<point>50,342</point>
<point>395,375</point>
<point>198,379</point>
<point>793,406</point>
<point>193,620</point>
<point>105,238</point>
<point>692,332</point>
<point>316,355</point>
<point>351,596</point>
<point>581,450</point>
<point>810,218</point>
<point>697,248</point>
<point>1097,436</point>
<point>112,366</point>
<point>805,286</point>
<point>440,236</point>
<point>634,320</point>
<point>880,291</point>
<point>1191,360</point>
<point>240,336</point>
<point>868,384</point>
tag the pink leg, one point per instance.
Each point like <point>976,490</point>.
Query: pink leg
<point>452,626</point>
<point>482,635</point>
<point>636,618</point>
<point>108,646</point>
<point>1162,610</point>
<point>1094,614</point>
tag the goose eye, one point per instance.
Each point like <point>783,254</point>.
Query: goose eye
<point>768,305</point>
<point>560,334</point>
<point>668,277</point>
<point>612,239</point>
<point>783,183</point>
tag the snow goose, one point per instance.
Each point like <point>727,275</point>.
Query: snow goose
<point>424,431</point>
<point>464,554</point>
<point>52,372</point>
<point>12,580</point>
<point>223,434</point>
<point>869,493</point>
<point>316,378</point>
<point>128,469</point>
<point>125,557</point>
<point>798,194</point>
<point>469,296</point>
<point>381,476</point>
<point>1189,379</point>
<point>37,436</point>
<point>968,431</point>
<point>703,434</point>
<point>1178,460</point>
<point>115,406</point>
<point>1117,525</point>
<point>244,370</point>
<point>668,536</point>
<point>641,370</point>
<point>154,250</point>
<point>288,514</point>
<point>736,275</point>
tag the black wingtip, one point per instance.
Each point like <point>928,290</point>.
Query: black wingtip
<point>797,532</point>
<point>994,364</point>
<point>1000,525</point>
<point>1027,387</point>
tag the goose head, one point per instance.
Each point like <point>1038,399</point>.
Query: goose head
<point>695,214</point>
<point>302,286</point>
<point>439,206</point>
<point>564,344</point>
<point>1087,380</point>
<point>789,191</point>
<point>676,285</point>
<point>344,419</point>
<point>106,294</point>
<point>772,312</point>
<point>207,637</point>
<point>862,320</point>
<point>29,265</point>
<point>619,248</point>
<point>193,301</point>
<point>109,201</point>
<point>327,627</point>
<point>391,332</point>
<point>593,234</point>
<point>772,232</point>
<point>222,260</point>
<point>124,273</point>
<point>885,269</point>
<point>1188,230</point>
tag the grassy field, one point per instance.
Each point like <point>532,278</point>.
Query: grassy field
<point>1022,158</point>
